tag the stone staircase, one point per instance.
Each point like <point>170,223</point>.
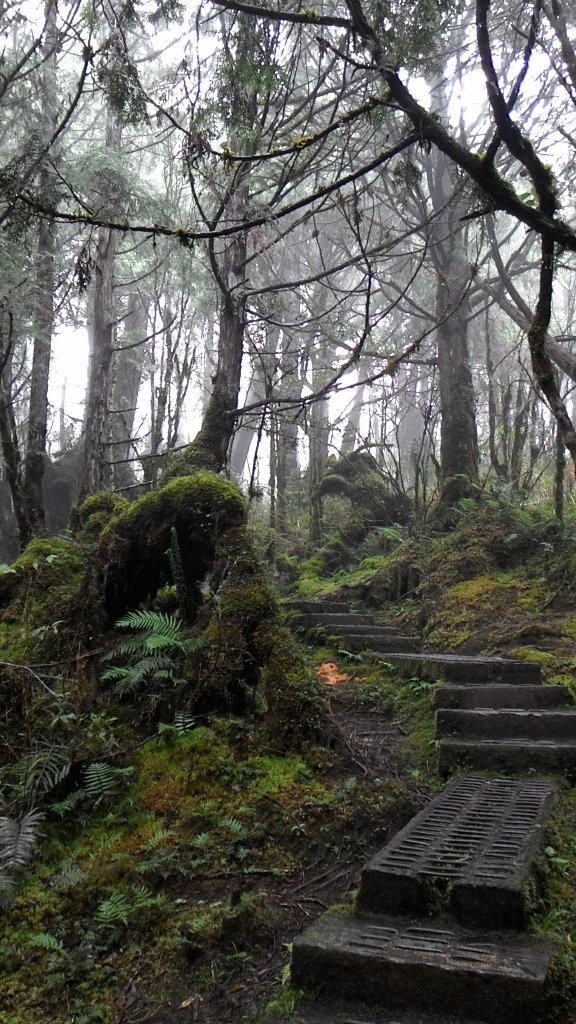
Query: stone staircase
<point>437,934</point>
<point>357,631</point>
<point>517,729</point>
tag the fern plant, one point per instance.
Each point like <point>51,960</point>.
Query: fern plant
<point>34,775</point>
<point>151,658</point>
<point>177,570</point>
<point>99,781</point>
<point>18,840</point>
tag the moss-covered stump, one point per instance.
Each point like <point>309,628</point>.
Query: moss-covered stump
<point>40,599</point>
<point>49,605</point>
<point>251,662</point>
<point>133,548</point>
<point>94,514</point>
<point>358,478</point>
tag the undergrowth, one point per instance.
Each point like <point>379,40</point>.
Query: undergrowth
<point>174,874</point>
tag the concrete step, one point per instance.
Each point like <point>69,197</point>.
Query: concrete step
<point>501,695</point>
<point>361,1014</point>
<point>398,963</point>
<point>470,852</point>
<point>506,723</point>
<point>367,630</point>
<point>381,644</point>
<point>308,607</point>
<point>463,669</point>
<point>334,620</point>
<point>516,756</point>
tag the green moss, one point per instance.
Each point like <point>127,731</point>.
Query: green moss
<point>133,547</point>
<point>464,610</point>
<point>556,912</point>
<point>251,663</point>
<point>43,601</point>
<point>531,655</point>
<point>568,627</point>
<point>196,458</point>
<point>90,518</point>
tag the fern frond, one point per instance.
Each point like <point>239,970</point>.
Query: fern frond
<point>178,575</point>
<point>113,911</point>
<point>18,839</point>
<point>158,838</point>
<point>183,722</point>
<point>69,803</point>
<point>112,675</point>
<point>44,940</point>
<point>41,771</point>
<point>144,897</point>
<point>151,622</point>
<point>70,875</point>
<point>157,641</point>
<point>130,648</point>
<point>193,643</point>
<point>235,827</point>
<point>202,841</point>
<point>145,670</point>
<point>101,779</point>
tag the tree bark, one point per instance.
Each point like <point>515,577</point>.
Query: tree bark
<point>458,436</point>
<point>35,458</point>
<point>95,475</point>
<point>127,373</point>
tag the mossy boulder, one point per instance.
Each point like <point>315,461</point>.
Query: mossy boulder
<point>133,547</point>
<point>93,515</point>
<point>358,478</point>
<point>43,590</point>
<point>251,662</point>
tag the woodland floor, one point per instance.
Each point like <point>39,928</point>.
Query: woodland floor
<point>365,749</point>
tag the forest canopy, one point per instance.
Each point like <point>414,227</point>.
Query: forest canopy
<point>285,234</point>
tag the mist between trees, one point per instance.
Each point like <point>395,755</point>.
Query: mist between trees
<point>251,210</point>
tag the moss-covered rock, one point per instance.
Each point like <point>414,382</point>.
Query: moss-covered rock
<point>133,547</point>
<point>251,662</point>
<point>90,518</point>
<point>43,593</point>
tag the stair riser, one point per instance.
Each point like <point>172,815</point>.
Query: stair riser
<point>467,670</point>
<point>382,644</point>
<point>482,724</point>
<point>331,621</point>
<point>502,757</point>
<point>502,696</point>
<point>363,630</point>
<point>401,985</point>
<point>476,906</point>
<point>317,607</point>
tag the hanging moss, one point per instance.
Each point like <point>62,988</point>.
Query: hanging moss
<point>132,550</point>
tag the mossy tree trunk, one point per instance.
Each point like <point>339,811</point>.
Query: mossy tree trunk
<point>459,455</point>
<point>8,428</point>
<point>458,437</point>
<point>35,459</point>
<point>211,447</point>
<point>214,438</point>
<point>286,428</point>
